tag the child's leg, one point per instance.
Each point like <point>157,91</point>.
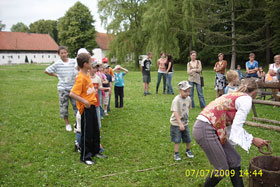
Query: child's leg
<point>176,147</point>
<point>188,146</point>
<point>63,107</point>
<point>116,96</point>
<point>121,97</point>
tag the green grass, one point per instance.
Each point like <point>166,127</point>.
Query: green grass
<point>36,150</point>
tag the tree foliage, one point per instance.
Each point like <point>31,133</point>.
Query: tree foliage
<point>45,27</point>
<point>2,26</point>
<point>123,18</point>
<point>76,30</point>
<point>19,27</point>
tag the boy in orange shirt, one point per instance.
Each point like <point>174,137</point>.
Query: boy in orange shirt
<point>84,93</point>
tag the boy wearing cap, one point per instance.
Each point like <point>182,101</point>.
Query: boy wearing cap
<point>107,85</point>
<point>179,129</point>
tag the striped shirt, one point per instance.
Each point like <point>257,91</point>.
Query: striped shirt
<point>65,72</point>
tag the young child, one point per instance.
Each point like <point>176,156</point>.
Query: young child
<point>101,93</point>
<point>179,129</point>
<point>119,85</point>
<point>108,85</point>
<point>241,76</point>
<point>261,73</point>
<point>84,92</point>
<point>145,69</point>
<point>233,81</point>
<point>64,70</point>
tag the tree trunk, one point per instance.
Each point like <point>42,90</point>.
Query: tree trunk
<point>267,50</point>
<point>233,39</point>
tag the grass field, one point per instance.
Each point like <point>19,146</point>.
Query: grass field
<point>36,150</point>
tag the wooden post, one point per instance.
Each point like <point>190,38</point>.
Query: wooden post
<point>265,102</point>
<point>266,120</point>
<point>271,127</point>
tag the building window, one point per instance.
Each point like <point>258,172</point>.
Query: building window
<point>42,56</point>
<point>34,56</point>
<point>54,56</point>
<point>18,57</point>
<point>11,56</point>
<point>3,57</point>
<point>49,56</point>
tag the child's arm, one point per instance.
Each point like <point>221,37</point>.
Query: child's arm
<point>179,120</point>
<point>51,74</point>
<point>78,98</point>
<point>125,70</point>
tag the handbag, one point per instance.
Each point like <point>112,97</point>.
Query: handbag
<point>201,81</point>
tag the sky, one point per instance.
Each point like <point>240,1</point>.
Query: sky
<point>29,11</point>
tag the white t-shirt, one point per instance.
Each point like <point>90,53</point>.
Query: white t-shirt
<point>182,107</point>
<point>275,69</point>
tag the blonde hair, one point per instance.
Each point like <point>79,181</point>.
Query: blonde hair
<point>231,75</point>
<point>276,56</point>
<point>248,85</point>
<point>220,54</point>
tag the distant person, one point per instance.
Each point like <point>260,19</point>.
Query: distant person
<point>64,70</point>
<point>101,94</point>
<point>161,71</point>
<point>238,69</point>
<point>220,79</point>
<point>273,68</point>
<point>233,81</point>
<point>179,129</point>
<point>261,73</point>
<point>119,85</point>
<point>194,68</point>
<point>169,74</point>
<point>83,91</point>
<point>252,66</point>
<point>111,72</point>
<point>145,69</point>
<point>108,85</point>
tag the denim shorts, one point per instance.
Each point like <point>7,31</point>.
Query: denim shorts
<point>176,135</point>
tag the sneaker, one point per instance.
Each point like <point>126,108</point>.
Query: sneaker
<point>89,162</point>
<point>189,154</point>
<point>68,127</point>
<point>101,150</point>
<point>177,157</point>
<point>99,155</point>
<point>77,146</point>
<point>145,94</point>
<point>106,114</point>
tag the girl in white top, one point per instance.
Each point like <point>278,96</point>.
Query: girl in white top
<point>273,68</point>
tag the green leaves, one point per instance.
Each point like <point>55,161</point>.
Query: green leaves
<point>76,30</point>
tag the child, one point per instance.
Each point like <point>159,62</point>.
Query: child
<point>233,81</point>
<point>84,92</point>
<point>145,69</point>
<point>119,84</point>
<point>241,76</point>
<point>179,128</point>
<point>261,73</point>
<point>101,93</point>
<point>64,70</point>
<point>108,85</point>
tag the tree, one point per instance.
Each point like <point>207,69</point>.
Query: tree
<point>19,27</point>
<point>76,30</point>
<point>45,27</point>
<point>124,19</point>
<point>2,26</point>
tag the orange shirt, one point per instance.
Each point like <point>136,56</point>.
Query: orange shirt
<point>83,87</point>
<point>111,72</point>
<point>222,68</point>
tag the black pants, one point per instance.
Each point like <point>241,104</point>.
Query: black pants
<point>90,139</point>
<point>118,93</point>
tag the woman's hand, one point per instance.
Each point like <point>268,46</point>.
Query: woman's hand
<point>259,142</point>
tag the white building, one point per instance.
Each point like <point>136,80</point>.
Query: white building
<point>19,48</point>
<point>102,40</point>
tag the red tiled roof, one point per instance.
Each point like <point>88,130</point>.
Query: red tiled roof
<point>27,41</point>
<point>103,40</point>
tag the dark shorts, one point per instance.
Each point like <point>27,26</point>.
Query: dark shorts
<point>146,77</point>
<point>176,135</point>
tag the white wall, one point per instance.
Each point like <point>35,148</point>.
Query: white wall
<point>19,57</point>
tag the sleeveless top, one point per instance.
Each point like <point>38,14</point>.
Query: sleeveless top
<point>221,113</point>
